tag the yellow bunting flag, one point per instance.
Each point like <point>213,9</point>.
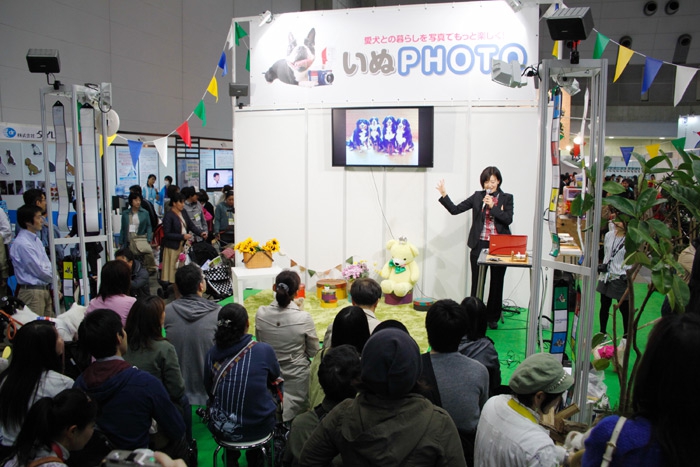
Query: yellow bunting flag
<point>653,150</point>
<point>555,49</point>
<point>213,88</point>
<point>623,58</point>
<point>110,139</point>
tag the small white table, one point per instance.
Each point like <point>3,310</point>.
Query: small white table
<point>241,274</point>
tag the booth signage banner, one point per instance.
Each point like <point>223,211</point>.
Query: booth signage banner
<point>17,131</point>
<point>431,53</point>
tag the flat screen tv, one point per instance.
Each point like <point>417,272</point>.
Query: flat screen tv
<point>217,178</point>
<point>383,137</point>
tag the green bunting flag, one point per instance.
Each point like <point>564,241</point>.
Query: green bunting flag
<point>247,61</point>
<point>201,112</point>
<point>601,42</point>
<point>240,33</point>
<point>679,144</point>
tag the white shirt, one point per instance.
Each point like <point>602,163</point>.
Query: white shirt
<point>507,438</point>
<point>5,229</point>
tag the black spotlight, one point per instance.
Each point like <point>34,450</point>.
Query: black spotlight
<point>672,7</point>
<point>650,8</point>
<point>626,41</point>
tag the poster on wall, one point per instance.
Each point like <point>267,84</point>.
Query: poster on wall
<point>433,53</point>
<point>126,173</point>
<point>188,173</point>
<point>224,158</point>
<point>148,164</point>
<point>206,161</point>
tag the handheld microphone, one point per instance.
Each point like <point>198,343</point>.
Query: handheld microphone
<point>483,204</point>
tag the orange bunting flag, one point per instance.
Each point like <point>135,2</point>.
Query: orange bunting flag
<point>653,150</point>
<point>213,88</point>
<point>184,132</point>
<point>623,58</point>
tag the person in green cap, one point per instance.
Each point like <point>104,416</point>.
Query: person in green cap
<point>509,433</point>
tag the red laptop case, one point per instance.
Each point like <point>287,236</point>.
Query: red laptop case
<point>507,244</point>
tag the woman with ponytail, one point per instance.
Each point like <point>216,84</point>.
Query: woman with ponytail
<point>292,333</point>
<point>237,375</point>
<point>34,372</point>
<point>53,428</point>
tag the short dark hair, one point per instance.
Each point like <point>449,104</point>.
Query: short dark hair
<point>32,196</point>
<point>188,278</point>
<point>215,174</point>
<point>115,279</point>
<point>26,213</point>
<point>286,285</point>
<point>98,332</point>
<point>176,197</point>
<point>133,196</point>
<point>231,324</point>
<point>168,178</point>
<point>227,194</point>
<point>475,311</point>
<point>126,253</point>
<point>227,188</point>
<point>486,175</point>
<point>528,399</point>
<point>188,192</point>
<point>202,196</point>
<point>151,175</point>
<point>339,372</point>
<point>135,189</point>
<point>350,327</point>
<point>446,323</point>
<point>390,324</point>
<point>365,291</point>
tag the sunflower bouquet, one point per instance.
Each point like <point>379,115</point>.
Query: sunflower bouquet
<point>251,246</point>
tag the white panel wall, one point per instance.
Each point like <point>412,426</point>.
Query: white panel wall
<point>287,188</point>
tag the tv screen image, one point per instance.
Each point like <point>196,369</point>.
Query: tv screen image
<point>217,178</point>
<point>383,137</point>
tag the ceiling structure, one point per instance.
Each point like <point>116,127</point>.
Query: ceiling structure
<point>672,38</point>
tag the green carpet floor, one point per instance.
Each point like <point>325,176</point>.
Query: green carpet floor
<point>510,339</point>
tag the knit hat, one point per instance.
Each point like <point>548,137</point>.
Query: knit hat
<point>540,372</point>
<point>391,363</point>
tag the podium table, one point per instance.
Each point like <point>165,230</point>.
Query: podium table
<point>241,274</point>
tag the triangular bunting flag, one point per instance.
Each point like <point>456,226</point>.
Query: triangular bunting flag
<point>349,260</point>
<point>683,76</point>
<point>222,64</point>
<point>601,42</point>
<point>213,88</point>
<point>679,144</point>
<point>302,269</point>
<point>240,33</point>
<point>247,61</point>
<point>623,58</point>
<point>651,68</point>
<point>292,263</point>
<point>339,267</point>
<point>555,49</point>
<point>311,272</point>
<point>230,39</point>
<point>110,140</point>
<point>184,132</point>
<point>134,150</point>
<point>626,153</point>
<point>201,112</point>
<point>653,150</point>
<point>161,145</point>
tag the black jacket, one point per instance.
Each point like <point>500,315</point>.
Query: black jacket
<point>172,229</point>
<point>502,214</point>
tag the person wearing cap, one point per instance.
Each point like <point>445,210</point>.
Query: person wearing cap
<point>509,433</point>
<point>387,423</point>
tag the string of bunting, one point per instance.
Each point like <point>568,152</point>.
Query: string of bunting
<point>235,34</point>
<point>325,274</point>
<point>684,74</point>
<point>652,149</point>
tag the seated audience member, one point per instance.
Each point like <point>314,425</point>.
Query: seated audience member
<point>238,375</point>
<point>115,288</point>
<point>140,286</point>
<point>190,324</point>
<point>391,324</point>
<point>661,429</point>
<point>137,232</point>
<point>149,351</point>
<point>128,397</point>
<point>475,344</point>
<point>53,428</point>
<point>34,372</point>
<point>292,333</point>
<point>509,432</point>
<point>338,374</point>
<point>387,423</point>
<point>365,293</point>
<point>460,384</point>
<point>33,268</point>
<point>351,327</point>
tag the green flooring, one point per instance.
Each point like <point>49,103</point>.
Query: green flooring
<point>510,339</point>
